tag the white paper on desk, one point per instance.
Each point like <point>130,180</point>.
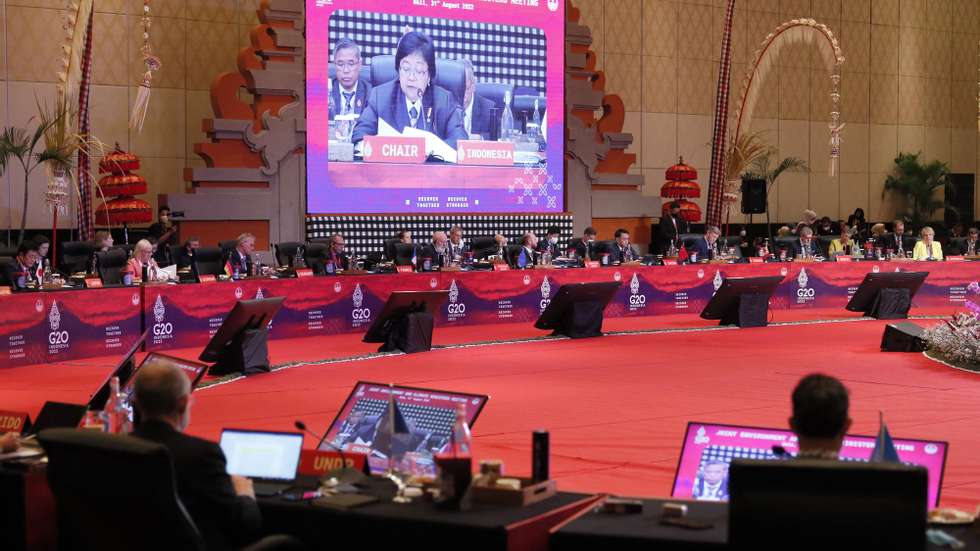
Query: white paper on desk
<point>22,453</point>
<point>385,129</point>
<point>433,144</point>
<point>171,271</point>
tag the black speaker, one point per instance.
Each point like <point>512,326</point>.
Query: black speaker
<point>960,190</point>
<point>902,337</point>
<point>753,196</point>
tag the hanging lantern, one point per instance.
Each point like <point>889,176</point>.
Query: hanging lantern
<point>122,184</point>
<point>124,210</point>
<point>681,171</point>
<point>119,162</point>
<point>683,188</point>
<point>689,211</point>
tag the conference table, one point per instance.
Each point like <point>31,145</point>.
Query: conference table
<point>49,326</point>
<point>643,531</point>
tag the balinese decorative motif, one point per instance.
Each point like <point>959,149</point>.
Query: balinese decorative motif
<point>680,186</point>
<point>689,211</point>
<point>120,182</point>
<point>151,63</point>
<point>719,139</point>
<point>956,341</point>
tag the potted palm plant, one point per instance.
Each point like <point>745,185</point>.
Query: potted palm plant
<point>915,184</point>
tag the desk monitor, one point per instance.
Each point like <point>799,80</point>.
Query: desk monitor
<point>124,370</point>
<point>58,415</point>
<point>871,299</point>
<point>742,301</point>
<point>240,343</point>
<point>576,310</point>
<point>360,423</point>
<point>401,304</point>
<point>709,448</point>
<point>819,504</point>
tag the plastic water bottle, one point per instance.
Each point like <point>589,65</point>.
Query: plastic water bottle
<point>426,264</point>
<point>299,261</point>
<point>536,119</point>
<point>115,414</point>
<point>506,119</point>
<point>330,267</point>
<point>462,439</point>
<point>46,275</point>
<point>236,272</point>
<point>127,278</point>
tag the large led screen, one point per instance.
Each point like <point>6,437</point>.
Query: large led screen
<point>431,106</point>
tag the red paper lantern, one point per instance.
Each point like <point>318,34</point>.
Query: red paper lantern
<point>122,184</point>
<point>681,171</point>
<point>119,162</point>
<point>689,211</point>
<point>680,189</point>
<point>124,210</point>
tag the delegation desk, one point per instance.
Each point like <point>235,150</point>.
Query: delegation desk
<point>49,326</point>
<point>643,532</point>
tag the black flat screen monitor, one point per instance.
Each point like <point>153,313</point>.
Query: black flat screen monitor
<point>402,303</point>
<point>124,370</point>
<point>821,504</point>
<point>58,415</point>
<point>430,414</point>
<point>246,315</point>
<point>864,298</point>
<point>726,299</point>
<point>553,316</point>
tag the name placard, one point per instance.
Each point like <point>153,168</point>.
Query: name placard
<point>304,272</point>
<point>320,462</point>
<point>207,278</point>
<point>956,258</point>
<point>404,269</point>
<point>501,267</point>
<point>591,263</point>
<point>12,421</point>
<point>843,258</point>
<point>5,290</point>
<point>670,262</point>
<point>393,149</point>
<point>756,260</point>
<point>478,152</point>
<point>93,282</point>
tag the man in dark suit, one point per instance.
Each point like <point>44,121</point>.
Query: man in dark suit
<point>223,507</point>
<point>970,245</point>
<point>585,247</point>
<point>622,251</point>
<point>476,109</point>
<point>437,252</point>
<point>359,427</point>
<point>185,258</point>
<point>670,228</point>
<point>457,247</point>
<point>241,256</point>
<point>165,232</point>
<point>24,272</point>
<point>412,99</point>
<point>706,248</point>
<point>550,243</point>
<point>336,254</point>
<point>806,245</point>
<point>896,240</point>
<point>527,257</point>
<point>820,416</point>
<point>348,93</point>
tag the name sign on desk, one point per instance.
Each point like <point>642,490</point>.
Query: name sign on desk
<point>320,462</point>
<point>207,278</point>
<point>12,421</point>
<point>842,258</point>
<point>5,290</point>
<point>93,282</point>
<point>956,258</point>
<point>478,152</point>
<point>404,269</point>
<point>756,260</point>
<point>304,272</point>
<point>394,149</point>
<point>670,262</point>
<point>591,263</point>
<point>501,267</point>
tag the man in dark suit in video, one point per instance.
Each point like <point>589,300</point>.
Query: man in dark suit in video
<point>622,251</point>
<point>476,109</point>
<point>412,99</point>
<point>706,248</point>
<point>670,229</point>
<point>223,507</point>
<point>348,92</point>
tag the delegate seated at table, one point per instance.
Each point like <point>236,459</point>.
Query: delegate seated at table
<point>805,246</point>
<point>622,251</point>
<point>928,248</point>
<point>412,99</point>
<point>706,247</point>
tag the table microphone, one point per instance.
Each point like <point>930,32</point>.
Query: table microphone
<point>345,474</point>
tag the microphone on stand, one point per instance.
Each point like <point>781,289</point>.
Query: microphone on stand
<point>343,475</point>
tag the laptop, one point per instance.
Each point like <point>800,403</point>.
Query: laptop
<point>57,415</point>
<point>269,458</point>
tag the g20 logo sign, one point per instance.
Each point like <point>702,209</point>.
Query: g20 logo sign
<point>163,329</point>
<point>361,314</point>
<point>638,300</point>
<point>458,308</point>
<point>806,293</point>
<point>58,337</point>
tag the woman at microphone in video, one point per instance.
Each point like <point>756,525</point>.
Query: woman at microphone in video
<point>412,100</point>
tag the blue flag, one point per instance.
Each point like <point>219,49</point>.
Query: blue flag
<point>884,451</point>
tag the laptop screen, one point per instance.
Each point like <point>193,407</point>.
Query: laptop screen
<point>262,455</point>
<point>430,414</point>
<point>702,469</point>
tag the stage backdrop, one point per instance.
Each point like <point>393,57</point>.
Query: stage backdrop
<point>510,46</point>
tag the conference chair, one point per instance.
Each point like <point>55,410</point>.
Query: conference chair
<point>823,243</point>
<point>389,248</point>
<point>525,104</point>
<point>286,252</point>
<point>449,74</point>
<point>8,251</point>
<point>513,251</point>
<point>315,257</point>
<point>227,245</point>
<point>208,261</point>
<point>494,91</point>
<point>603,247</point>
<point>819,504</point>
<point>404,253</point>
<point>955,246</point>
<point>126,247</point>
<point>175,252</point>
<point>689,239</point>
<point>8,271</point>
<point>483,246</point>
<point>117,492</point>
<point>110,265</point>
<point>74,256</point>
<point>784,243</point>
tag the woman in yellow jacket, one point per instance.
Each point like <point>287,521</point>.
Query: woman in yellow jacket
<point>928,248</point>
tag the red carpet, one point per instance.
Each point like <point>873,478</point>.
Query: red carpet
<point>616,406</point>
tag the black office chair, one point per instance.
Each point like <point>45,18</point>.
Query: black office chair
<point>315,257</point>
<point>96,477</point>
<point>126,247</point>
<point>449,74</point>
<point>689,239</point>
<point>287,251</point>
<point>8,271</point>
<point>227,245</point>
<point>389,248</point>
<point>956,246</point>
<point>75,256</point>
<point>110,265</point>
<point>513,252</point>
<point>209,261</point>
<point>823,242</point>
<point>483,246</point>
<point>522,105</point>
<point>784,243</point>
<point>120,492</point>
<point>494,91</point>
<point>404,253</point>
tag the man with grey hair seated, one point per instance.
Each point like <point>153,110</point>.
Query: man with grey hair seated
<point>223,507</point>
<point>806,245</point>
<point>476,109</point>
<point>348,92</point>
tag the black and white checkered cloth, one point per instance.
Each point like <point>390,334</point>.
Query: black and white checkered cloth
<point>507,54</point>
